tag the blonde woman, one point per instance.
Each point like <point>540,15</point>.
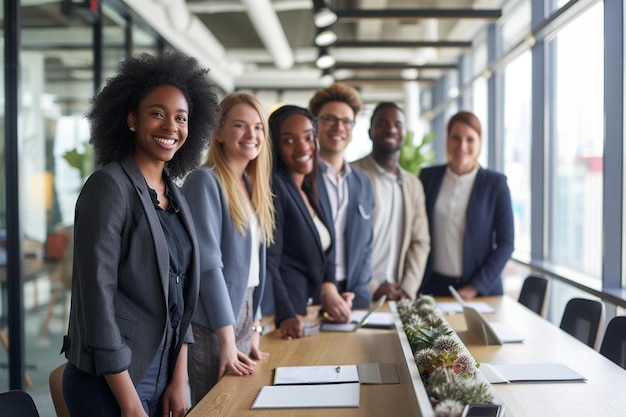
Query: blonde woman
<point>231,203</point>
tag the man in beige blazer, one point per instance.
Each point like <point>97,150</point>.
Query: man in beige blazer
<point>401,239</point>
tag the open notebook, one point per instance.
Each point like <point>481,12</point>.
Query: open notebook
<point>477,324</point>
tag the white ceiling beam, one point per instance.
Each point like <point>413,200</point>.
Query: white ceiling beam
<point>213,7</point>
<point>269,29</point>
<point>168,17</point>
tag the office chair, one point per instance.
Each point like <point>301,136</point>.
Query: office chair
<point>17,403</point>
<point>534,294</point>
<point>583,319</point>
<point>614,341</point>
<point>56,391</point>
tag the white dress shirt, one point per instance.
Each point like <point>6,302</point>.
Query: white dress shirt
<point>449,222</point>
<point>338,196</point>
<point>388,228</point>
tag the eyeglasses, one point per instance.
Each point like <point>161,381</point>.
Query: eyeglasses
<point>329,120</point>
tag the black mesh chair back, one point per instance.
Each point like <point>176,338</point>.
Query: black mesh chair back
<point>583,319</point>
<point>614,341</point>
<point>17,403</point>
<point>534,294</point>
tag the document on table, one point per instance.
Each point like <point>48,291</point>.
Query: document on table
<point>324,374</point>
<point>380,320</point>
<point>450,307</point>
<point>528,372</point>
<point>506,333</point>
<point>308,396</point>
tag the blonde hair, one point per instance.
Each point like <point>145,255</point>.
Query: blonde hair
<point>259,172</point>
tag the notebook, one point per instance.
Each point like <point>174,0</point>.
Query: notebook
<point>490,333</point>
<point>354,325</point>
<point>528,372</point>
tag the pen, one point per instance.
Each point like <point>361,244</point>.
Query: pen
<point>338,369</point>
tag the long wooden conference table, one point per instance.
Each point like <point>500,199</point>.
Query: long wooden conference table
<point>602,394</point>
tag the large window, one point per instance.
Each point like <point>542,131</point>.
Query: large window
<point>576,158</point>
<point>517,145</point>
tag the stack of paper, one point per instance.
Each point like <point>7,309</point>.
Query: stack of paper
<point>308,396</point>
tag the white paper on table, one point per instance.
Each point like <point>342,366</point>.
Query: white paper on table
<point>325,374</point>
<point>376,319</point>
<point>528,372</point>
<point>449,307</point>
<point>308,396</point>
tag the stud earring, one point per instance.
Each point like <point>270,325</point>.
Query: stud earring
<point>132,128</point>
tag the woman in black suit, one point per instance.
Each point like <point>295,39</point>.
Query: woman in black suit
<point>469,215</point>
<point>136,267</point>
<point>299,263</point>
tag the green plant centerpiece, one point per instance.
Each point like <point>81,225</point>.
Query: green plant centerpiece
<point>447,369</point>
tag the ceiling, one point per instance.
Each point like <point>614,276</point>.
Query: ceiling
<point>285,58</point>
<point>268,45</point>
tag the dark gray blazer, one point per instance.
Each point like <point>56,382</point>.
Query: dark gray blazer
<point>120,280</point>
<point>225,254</point>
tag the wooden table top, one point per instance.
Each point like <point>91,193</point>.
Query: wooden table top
<point>233,396</point>
<point>603,394</point>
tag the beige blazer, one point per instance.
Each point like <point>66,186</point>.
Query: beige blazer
<point>416,239</point>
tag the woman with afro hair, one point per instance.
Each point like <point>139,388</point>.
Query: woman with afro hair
<point>136,263</point>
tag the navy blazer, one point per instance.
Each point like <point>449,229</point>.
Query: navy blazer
<point>489,235</point>
<point>119,313</point>
<point>358,234</point>
<point>296,263</point>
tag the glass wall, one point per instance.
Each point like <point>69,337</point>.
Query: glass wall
<point>517,144</point>
<point>576,161</point>
<point>57,59</point>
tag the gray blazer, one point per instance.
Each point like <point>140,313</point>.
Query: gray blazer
<point>225,256</point>
<point>119,311</point>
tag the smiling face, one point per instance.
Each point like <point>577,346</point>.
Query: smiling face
<point>335,133</point>
<point>296,144</point>
<point>463,147</point>
<point>387,130</point>
<point>241,134</point>
<point>160,125</point>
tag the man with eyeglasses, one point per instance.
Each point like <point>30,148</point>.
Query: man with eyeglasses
<point>345,193</point>
<point>401,239</point>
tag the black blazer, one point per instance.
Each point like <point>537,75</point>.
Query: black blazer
<point>296,263</point>
<point>358,234</point>
<point>489,235</point>
<point>120,276</point>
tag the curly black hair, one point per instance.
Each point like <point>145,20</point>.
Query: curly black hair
<point>136,77</point>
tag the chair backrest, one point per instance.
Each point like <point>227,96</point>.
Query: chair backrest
<point>56,391</point>
<point>17,403</point>
<point>534,294</point>
<point>614,341</point>
<point>583,319</point>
